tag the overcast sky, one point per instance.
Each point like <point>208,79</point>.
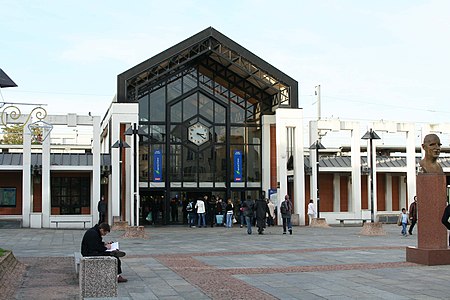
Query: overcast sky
<point>373,59</point>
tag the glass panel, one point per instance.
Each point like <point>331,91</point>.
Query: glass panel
<point>176,133</point>
<point>221,163</point>
<point>231,158</point>
<point>143,162</point>
<point>175,163</point>
<point>157,133</point>
<point>254,135</point>
<point>206,83</point>
<point>237,135</point>
<point>158,105</point>
<point>173,89</point>
<point>189,107</point>
<point>205,106</point>
<point>237,113</point>
<point>189,165</point>
<point>143,108</point>
<point>176,113</point>
<point>220,114</point>
<point>190,81</point>
<point>254,163</point>
<point>206,165</point>
<point>221,92</point>
<point>220,134</point>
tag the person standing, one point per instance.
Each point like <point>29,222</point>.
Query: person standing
<point>271,216</point>
<point>412,215</point>
<point>247,210</point>
<point>211,204</point>
<point>191,213</point>
<point>200,206</point>
<point>230,209</point>
<point>286,212</point>
<point>311,211</point>
<point>261,210</point>
<point>101,207</point>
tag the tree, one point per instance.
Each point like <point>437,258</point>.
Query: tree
<point>13,135</point>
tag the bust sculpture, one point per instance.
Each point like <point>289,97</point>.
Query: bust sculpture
<point>432,147</point>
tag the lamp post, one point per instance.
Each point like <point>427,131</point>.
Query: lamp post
<point>317,145</point>
<point>135,132</point>
<point>120,145</point>
<point>371,135</point>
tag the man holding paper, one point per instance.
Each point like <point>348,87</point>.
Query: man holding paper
<point>93,245</point>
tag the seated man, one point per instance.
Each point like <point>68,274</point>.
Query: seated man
<point>93,245</point>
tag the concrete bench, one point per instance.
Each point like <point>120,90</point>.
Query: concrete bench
<point>70,221</point>
<point>77,257</point>
<point>98,277</point>
<point>343,220</point>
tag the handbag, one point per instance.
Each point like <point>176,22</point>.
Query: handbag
<point>149,217</point>
<point>234,220</point>
<point>399,221</point>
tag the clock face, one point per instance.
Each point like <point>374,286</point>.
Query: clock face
<point>198,134</point>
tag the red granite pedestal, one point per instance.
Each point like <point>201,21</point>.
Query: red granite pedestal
<point>432,238</point>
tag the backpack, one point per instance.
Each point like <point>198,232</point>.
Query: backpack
<point>189,207</point>
<point>283,208</point>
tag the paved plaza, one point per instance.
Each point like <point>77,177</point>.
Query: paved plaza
<point>177,262</point>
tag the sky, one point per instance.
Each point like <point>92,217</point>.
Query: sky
<point>374,60</point>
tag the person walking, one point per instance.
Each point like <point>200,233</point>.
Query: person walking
<point>403,221</point>
<point>286,212</point>
<point>247,210</point>
<point>101,207</point>
<point>271,215</point>
<point>200,206</point>
<point>191,213</point>
<point>412,215</point>
<point>311,211</point>
<point>261,210</point>
<point>230,209</point>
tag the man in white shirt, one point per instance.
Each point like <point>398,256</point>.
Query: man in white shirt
<point>200,206</point>
<point>311,211</point>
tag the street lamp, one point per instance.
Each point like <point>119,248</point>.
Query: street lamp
<point>317,145</point>
<point>135,132</point>
<point>120,145</point>
<point>371,135</point>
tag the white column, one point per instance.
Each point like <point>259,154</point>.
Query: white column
<point>355,150</point>
<point>411,163</point>
<point>281,138</point>
<point>265,152</point>
<point>26,178</point>
<point>46,196</point>
<point>313,137</point>
<point>114,207</point>
<point>336,193</point>
<point>388,199</point>
<point>299,168</point>
<point>96,168</point>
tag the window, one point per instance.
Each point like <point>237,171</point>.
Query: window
<point>7,197</point>
<point>70,194</point>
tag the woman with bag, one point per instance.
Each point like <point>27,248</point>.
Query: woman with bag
<point>229,208</point>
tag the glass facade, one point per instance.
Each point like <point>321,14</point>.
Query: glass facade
<point>196,120</point>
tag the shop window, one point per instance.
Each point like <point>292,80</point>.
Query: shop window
<point>158,106</point>
<point>70,194</point>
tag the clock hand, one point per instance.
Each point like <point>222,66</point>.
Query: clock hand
<point>201,134</point>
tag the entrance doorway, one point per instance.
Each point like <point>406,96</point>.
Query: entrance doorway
<point>152,208</point>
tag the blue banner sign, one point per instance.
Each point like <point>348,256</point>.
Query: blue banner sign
<point>157,166</point>
<point>237,165</point>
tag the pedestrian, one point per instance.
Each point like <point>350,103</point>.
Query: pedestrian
<point>200,206</point>
<point>261,210</point>
<point>101,207</point>
<point>93,245</point>
<point>229,209</point>
<point>286,212</point>
<point>446,220</point>
<point>211,205</point>
<point>191,213</point>
<point>311,211</point>
<point>271,214</point>
<point>403,221</point>
<point>247,210</point>
<point>412,215</point>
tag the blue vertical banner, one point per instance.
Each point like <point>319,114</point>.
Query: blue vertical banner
<point>157,166</point>
<point>237,165</point>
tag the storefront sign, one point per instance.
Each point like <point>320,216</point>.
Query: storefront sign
<point>157,166</point>
<point>237,165</point>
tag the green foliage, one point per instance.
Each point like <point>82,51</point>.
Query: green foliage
<point>2,252</point>
<point>13,135</point>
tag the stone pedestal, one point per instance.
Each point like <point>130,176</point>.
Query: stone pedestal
<point>98,277</point>
<point>134,232</point>
<point>319,222</point>
<point>375,229</point>
<point>119,225</point>
<point>432,237</point>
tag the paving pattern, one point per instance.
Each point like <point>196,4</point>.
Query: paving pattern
<point>219,263</point>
